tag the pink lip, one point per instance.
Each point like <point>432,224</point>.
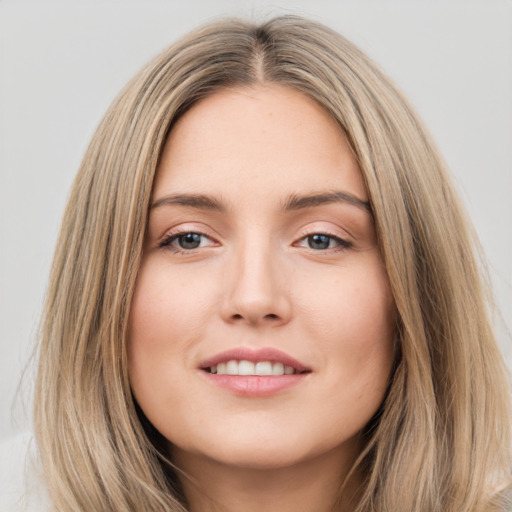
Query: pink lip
<point>254,355</point>
<point>255,385</point>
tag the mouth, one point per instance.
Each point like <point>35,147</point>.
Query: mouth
<point>259,368</point>
<point>258,362</point>
<point>253,372</point>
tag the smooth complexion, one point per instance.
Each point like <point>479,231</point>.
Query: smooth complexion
<point>260,240</point>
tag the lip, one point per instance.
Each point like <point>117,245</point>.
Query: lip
<point>254,355</point>
<point>255,385</point>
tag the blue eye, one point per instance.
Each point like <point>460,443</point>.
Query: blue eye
<point>189,241</point>
<point>323,242</point>
<point>185,241</point>
<point>319,242</point>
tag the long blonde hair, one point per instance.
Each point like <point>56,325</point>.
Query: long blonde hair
<point>441,440</point>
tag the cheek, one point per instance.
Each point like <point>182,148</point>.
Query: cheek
<point>352,318</point>
<point>166,319</point>
<point>165,306</point>
<point>343,319</point>
<point>354,301</point>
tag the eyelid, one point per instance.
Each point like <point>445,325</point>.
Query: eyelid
<point>316,228</point>
<point>182,229</point>
<point>342,244</point>
<point>324,228</point>
<point>343,241</point>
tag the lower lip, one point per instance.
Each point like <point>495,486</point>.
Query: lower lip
<point>254,385</point>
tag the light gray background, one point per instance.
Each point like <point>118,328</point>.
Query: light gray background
<point>62,63</point>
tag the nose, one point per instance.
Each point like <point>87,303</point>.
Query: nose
<point>256,290</point>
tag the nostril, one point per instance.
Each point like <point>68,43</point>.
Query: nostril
<point>270,316</point>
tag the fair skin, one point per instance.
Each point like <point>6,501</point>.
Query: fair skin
<point>239,256</point>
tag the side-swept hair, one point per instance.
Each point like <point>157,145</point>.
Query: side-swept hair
<point>441,440</point>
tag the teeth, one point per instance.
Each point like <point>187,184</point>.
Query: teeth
<point>278,369</point>
<point>232,368</point>
<point>245,367</point>
<point>261,368</point>
<point>264,368</point>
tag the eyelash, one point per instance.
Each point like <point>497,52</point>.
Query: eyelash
<point>166,243</point>
<point>341,244</point>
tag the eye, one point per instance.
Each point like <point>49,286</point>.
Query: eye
<point>323,242</point>
<point>186,241</point>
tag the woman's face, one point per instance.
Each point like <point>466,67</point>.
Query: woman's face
<point>260,248</point>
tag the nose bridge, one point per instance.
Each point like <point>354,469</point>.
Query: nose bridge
<point>256,293</point>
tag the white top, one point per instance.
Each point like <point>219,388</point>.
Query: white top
<point>21,489</point>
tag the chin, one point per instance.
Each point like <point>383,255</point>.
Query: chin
<point>256,457</point>
<point>259,451</point>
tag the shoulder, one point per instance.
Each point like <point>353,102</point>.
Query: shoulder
<point>21,488</point>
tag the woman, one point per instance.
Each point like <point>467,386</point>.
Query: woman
<point>264,296</point>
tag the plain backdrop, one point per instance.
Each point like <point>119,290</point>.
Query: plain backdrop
<point>62,63</point>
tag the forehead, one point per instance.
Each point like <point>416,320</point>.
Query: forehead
<point>269,137</point>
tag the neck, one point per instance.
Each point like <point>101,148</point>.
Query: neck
<point>312,485</point>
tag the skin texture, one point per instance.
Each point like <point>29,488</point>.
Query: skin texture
<point>254,281</point>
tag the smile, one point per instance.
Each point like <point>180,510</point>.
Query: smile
<point>261,368</point>
<point>251,361</point>
<point>254,372</point>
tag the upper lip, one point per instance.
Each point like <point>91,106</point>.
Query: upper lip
<point>255,355</point>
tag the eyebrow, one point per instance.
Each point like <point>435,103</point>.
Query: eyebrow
<point>294,202</point>
<point>199,201</point>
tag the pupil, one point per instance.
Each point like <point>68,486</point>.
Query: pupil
<point>189,241</point>
<point>318,241</point>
